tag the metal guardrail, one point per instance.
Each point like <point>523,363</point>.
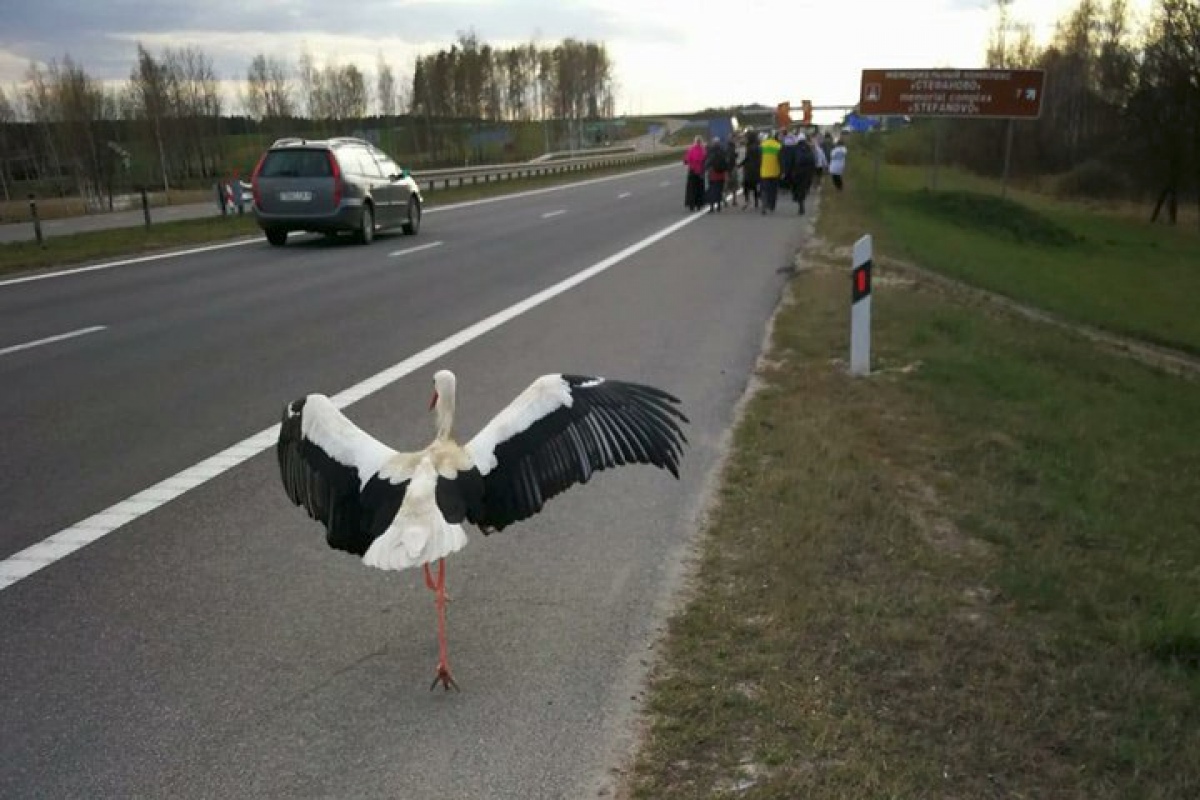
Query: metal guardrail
<point>431,180</point>
<point>465,176</point>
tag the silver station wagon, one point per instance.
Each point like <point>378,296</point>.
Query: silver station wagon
<point>330,186</point>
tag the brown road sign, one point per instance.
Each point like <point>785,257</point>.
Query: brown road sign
<point>1004,93</point>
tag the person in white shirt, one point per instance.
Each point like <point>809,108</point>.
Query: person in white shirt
<point>837,163</point>
<point>822,161</point>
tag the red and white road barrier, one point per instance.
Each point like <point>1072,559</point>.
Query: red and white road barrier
<point>860,308</point>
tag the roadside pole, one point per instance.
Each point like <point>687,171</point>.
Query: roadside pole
<point>937,151</point>
<point>877,140</point>
<point>37,222</point>
<point>860,308</point>
<point>1008,146</point>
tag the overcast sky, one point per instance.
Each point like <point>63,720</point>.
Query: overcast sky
<point>670,55</point>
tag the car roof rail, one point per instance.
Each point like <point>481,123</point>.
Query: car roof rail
<point>347,140</point>
<point>287,140</point>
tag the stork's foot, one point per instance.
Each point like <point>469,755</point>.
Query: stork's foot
<point>444,678</point>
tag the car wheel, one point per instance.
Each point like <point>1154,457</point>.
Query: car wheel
<point>413,223</point>
<point>366,229</point>
<point>277,237</point>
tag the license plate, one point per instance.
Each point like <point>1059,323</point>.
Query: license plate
<point>295,197</point>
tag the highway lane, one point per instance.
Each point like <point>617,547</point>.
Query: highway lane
<point>214,647</point>
<point>164,360</point>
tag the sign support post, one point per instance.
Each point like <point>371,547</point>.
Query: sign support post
<point>1008,146</point>
<point>860,308</point>
<point>1008,94</point>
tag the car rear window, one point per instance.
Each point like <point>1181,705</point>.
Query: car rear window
<point>296,164</point>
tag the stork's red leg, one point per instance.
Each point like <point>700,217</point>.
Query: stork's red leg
<point>443,675</point>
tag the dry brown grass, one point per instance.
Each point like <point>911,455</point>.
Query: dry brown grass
<point>971,575</point>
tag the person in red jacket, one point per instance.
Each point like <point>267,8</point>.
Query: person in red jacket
<point>694,158</point>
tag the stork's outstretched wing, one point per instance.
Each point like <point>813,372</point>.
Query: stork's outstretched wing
<point>562,429</point>
<point>343,476</point>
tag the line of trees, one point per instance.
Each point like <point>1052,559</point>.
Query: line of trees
<point>168,124</point>
<point>1121,110</point>
<point>571,80</point>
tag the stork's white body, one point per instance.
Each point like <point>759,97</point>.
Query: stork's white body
<point>419,534</point>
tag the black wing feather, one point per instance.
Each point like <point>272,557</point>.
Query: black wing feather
<point>609,423</point>
<point>329,489</point>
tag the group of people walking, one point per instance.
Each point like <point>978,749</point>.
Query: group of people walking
<point>782,159</point>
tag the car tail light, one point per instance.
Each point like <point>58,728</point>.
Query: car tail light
<point>337,179</point>
<point>254,181</point>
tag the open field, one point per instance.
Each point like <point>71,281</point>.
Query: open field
<point>83,247</point>
<point>971,575</point>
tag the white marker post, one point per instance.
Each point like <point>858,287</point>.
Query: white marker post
<point>860,309</point>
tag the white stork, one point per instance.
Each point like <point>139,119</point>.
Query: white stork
<point>398,510</point>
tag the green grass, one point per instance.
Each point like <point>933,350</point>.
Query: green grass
<point>972,575</point>
<point>1103,269</point>
<point>83,247</point>
<point>79,248</point>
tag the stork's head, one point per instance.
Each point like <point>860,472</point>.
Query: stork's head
<point>443,388</point>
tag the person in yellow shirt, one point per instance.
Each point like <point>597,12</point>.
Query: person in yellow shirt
<point>770,172</point>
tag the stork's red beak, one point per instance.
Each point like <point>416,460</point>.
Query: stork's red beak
<point>433,401</point>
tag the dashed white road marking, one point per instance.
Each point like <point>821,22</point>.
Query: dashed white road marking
<point>51,339</point>
<point>623,195</point>
<point>550,214</point>
<point>416,249</point>
<point>60,545</point>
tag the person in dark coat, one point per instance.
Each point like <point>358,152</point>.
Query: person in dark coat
<point>731,177</point>
<point>751,167</point>
<point>787,157</point>
<point>717,162</point>
<point>803,164</point>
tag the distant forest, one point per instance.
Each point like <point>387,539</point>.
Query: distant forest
<point>170,123</point>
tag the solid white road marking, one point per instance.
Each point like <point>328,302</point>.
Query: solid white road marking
<point>416,249</point>
<point>51,339</point>
<point>550,214</point>
<point>127,261</point>
<point>59,545</point>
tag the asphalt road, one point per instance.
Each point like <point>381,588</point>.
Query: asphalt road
<point>214,647</point>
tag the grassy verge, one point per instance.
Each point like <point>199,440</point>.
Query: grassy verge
<point>971,575</point>
<point>83,247</point>
<point>1102,268</point>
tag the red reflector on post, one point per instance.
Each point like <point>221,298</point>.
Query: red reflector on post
<point>861,286</point>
